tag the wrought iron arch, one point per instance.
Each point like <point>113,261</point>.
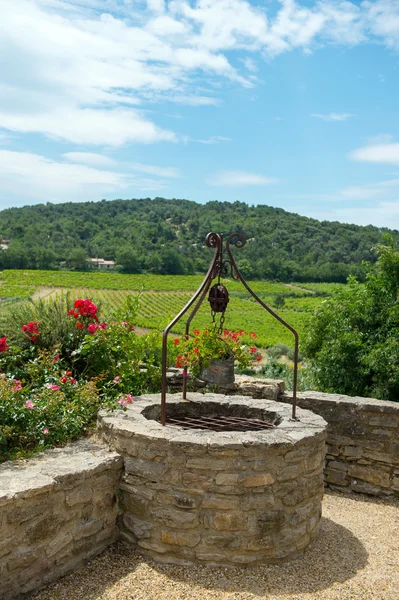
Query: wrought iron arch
<point>220,266</point>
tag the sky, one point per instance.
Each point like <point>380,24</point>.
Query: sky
<point>287,103</point>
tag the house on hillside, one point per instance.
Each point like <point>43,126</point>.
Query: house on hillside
<point>101,264</point>
<point>4,244</point>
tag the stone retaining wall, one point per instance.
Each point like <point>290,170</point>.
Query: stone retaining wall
<point>362,441</point>
<point>56,511</point>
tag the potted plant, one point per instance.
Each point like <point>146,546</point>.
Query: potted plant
<point>211,356</point>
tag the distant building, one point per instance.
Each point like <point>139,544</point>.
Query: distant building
<point>101,264</point>
<point>3,244</point>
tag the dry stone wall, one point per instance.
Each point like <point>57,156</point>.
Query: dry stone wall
<point>57,511</point>
<point>362,441</point>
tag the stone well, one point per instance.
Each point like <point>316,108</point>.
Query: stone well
<point>218,498</point>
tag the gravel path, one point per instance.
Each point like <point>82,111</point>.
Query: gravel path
<point>355,557</point>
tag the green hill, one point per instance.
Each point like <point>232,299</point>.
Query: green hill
<point>167,236</point>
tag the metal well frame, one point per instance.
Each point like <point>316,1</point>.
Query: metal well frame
<point>219,267</point>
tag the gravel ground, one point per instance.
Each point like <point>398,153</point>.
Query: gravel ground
<point>355,557</point>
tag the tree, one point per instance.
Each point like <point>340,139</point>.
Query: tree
<point>77,259</point>
<point>353,340</point>
<point>128,259</point>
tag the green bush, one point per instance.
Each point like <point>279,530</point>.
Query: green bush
<point>353,339</point>
<point>45,406</point>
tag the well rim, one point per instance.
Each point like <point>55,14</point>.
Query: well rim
<point>288,433</point>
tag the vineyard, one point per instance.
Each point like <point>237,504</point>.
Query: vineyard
<point>162,297</point>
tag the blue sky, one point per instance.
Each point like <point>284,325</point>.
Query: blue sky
<point>287,103</point>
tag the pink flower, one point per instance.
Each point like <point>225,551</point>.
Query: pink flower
<point>72,381</point>
<point>29,404</point>
<point>116,379</point>
<point>103,326</point>
<point>46,431</point>
<point>56,358</point>
<point>92,328</point>
<point>3,344</point>
<point>126,399</point>
<point>17,387</point>
<point>51,386</point>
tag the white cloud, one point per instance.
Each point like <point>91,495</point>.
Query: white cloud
<point>239,178</point>
<point>383,214</point>
<point>386,154</point>
<point>155,170</point>
<point>332,116</point>
<point>88,126</point>
<point>38,178</point>
<point>371,190</point>
<point>90,159</point>
<point>77,70</point>
<point>215,139</point>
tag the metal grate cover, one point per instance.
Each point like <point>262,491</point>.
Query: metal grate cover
<point>220,423</point>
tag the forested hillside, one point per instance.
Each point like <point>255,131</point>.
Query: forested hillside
<point>167,236</point>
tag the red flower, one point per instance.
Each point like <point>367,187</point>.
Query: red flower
<point>196,332</point>
<point>92,328</point>
<point>176,341</point>
<point>103,326</point>
<point>258,358</point>
<point>196,351</point>
<point>252,349</point>
<point>80,325</point>
<point>3,344</point>
<point>253,335</point>
<point>180,362</point>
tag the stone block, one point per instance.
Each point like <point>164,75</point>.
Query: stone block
<point>78,496</point>
<point>257,480</point>
<point>87,529</point>
<point>207,464</point>
<point>370,475</point>
<point>140,528</point>
<point>230,479</point>
<point>151,471</point>
<point>336,465</point>
<point>57,544</point>
<point>231,521</point>
<point>219,503</point>
<point>384,420</point>
<point>181,538</point>
<point>292,471</point>
<point>197,480</point>
<point>174,518</point>
<point>258,502</point>
<point>337,477</point>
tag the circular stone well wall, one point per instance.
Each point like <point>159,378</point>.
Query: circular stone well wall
<point>219,498</point>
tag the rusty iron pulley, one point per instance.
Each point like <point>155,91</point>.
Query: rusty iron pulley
<point>218,298</point>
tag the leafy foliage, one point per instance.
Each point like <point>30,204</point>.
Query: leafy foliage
<point>353,340</point>
<point>167,237</point>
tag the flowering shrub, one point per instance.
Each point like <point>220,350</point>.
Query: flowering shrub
<point>32,330</point>
<point>3,344</point>
<point>207,345</point>
<point>44,407</point>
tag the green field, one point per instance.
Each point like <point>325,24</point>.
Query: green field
<point>163,296</point>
